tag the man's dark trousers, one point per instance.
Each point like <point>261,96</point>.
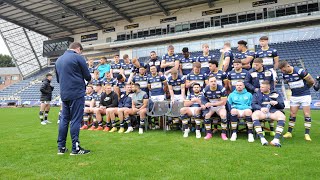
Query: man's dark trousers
<point>72,110</point>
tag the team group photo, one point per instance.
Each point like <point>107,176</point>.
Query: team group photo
<point>159,89</point>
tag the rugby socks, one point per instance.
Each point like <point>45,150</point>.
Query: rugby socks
<point>292,122</point>
<point>279,129</point>
<point>122,124</point>
<point>108,124</point>
<point>41,115</point>
<point>207,123</point>
<point>113,122</point>
<point>142,123</point>
<point>184,119</point>
<point>234,123</point>
<point>46,115</point>
<point>198,121</point>
<point>258,128</point>
<point>224,126</point>
<point>128,121</point>
<point>85,118</point>
<point>307,124</point>
<point>249,124</point>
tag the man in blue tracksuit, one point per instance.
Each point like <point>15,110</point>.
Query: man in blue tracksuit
<point>240,102</point>
<point>268,104</point>
<point>71,70</point>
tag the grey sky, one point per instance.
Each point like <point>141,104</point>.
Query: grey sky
<point>3,47</point>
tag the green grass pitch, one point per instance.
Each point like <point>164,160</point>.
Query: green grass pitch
<point>29,151</point>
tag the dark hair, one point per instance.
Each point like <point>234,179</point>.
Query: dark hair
<point>242,42</point>
<point>119,77</point>
<point>264,38</point>
<point>47,75</point>
<point>195,84</point>
<point>103,58</point>
<point>153,52</point>
<point>75,45</point>
<point>137,85</point>
<point>116,55</point>
<point>214,62</point>
<point>185,49</point>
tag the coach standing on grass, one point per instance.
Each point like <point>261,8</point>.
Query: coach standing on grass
<point>71,70</point>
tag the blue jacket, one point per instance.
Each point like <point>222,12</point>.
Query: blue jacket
<point>71,70</point>
<point>240,100</point>
<point>261,100</point>
<point>125,101</point>
<point>253,79</point>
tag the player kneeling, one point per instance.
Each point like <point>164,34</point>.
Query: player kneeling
<point>192,108</point>
<point>139,107</point>
<point>240,101</point>
<point>268,105</point>
<point>125,103</point>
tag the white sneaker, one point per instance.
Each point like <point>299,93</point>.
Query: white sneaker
<point>140,130</point>
<point>58,121</point>
<point>43,123</point>
<point>156,127</point>
<point>130,129</point>
<point>233,137</point>
<point>264,142</point>
<point>48,122</point>
<point>186,133</point>
<point>250,137</point>
<point>198,134</point>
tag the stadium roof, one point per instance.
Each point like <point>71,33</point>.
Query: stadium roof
<point>60,18</point>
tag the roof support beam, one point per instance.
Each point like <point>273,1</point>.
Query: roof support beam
<point>34,52</point>
<point>115,9</point>
<point>164,10</point>
<point>37,15</point>
<point>22,25</point>
<point>211,3</point>
<point>77,13</point>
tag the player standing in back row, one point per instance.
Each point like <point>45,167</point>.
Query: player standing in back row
<point>269,55</point>
<point>300,82</point>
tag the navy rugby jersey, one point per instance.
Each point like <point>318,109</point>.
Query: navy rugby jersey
<point>244,55</point>
<point>262,100</point>
<point>255,78</point>
<point>198,78</point>
<point>234,77</point>
<point>267,56</point>
<point>95,82</point>
<point>142,81</point>
<point>156,83</point>
<point>229,54</point>
<point>154,62</point>
<point>168,58</point>
<point>97,98</point>
<point>204,60</point>
<point>220,76</point>
<point>193,95</point>
<point>111,81</point>
<point>116,68</point>
<point>176,84</point>
<point>91,69</point>
<point>187,64</point>
<point>127,69</point>
<point>121,86</point>
<point>297,83</point>
<point>213,96</point>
